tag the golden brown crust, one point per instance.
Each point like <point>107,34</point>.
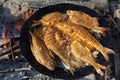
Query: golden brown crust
<point>83,36</point>
<point>55,42</point>
<point>53,18</point>
<point>87,21</point>
<point>41,53</point>
<point>81,53</point>
<point>69,39</point>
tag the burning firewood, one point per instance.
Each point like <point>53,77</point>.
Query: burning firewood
<point>17,25</point>
<point>20,22</point>
<point>6,35</point>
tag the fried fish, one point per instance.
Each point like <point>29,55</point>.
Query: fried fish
<point>41,52</point>
<point>81,53</point>
<point>55,42</point>
<point>87,21</point>
<point>50,19</point>
<point>84,37</point>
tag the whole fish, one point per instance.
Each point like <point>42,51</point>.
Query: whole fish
<point>41,52</point>
<point>84,37</point>
<point>81,53</point>
<point>87,21</point>
<point>50,19</point>
<point>55,42</point>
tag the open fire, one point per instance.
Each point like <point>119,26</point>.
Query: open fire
<point>7,29</point>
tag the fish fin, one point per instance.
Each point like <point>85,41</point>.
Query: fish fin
<point>50,52</point>
<point>70,66</point>
<point>35,23</point>
<point>98,67</point>
<point>107,51</point>
<point>95,53</point>
<point>96,18</point>
<point>104,30</point>
<point>50,65</point>
<point>72,70</point>
<point>30,33</point>
<point>99,71</point>
<point>32,48</point>
<point>75,64</point>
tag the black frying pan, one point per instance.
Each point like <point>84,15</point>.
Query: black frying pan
<point>25,41</point>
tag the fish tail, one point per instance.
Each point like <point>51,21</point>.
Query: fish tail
<point>104,30</point>
<point>107,51</point>
<point>35,23</point>
<point>99,67</point>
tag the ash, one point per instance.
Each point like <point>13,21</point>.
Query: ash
<point>10,11</point>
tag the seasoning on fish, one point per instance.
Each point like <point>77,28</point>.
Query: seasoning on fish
<point>87,21</point>
<point>50,19</point>
<point>81,53</point>
<point>84,37</point>
<point>41,52</point>
<point>55,42</point>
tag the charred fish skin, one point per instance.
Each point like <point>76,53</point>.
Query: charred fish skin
<point>84,37</point>
<point>80,52</point>
<point>50,19</point>
<point>87,21</point>
<point>58,46</point>
<point>41,53</point>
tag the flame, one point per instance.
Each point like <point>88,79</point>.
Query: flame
<point>7,33</point>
